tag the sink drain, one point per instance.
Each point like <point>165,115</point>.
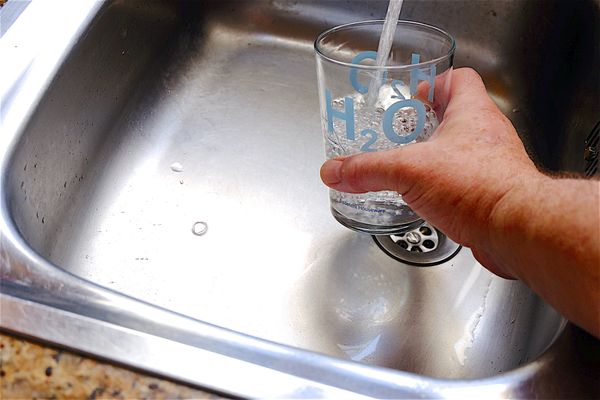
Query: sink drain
<point>424,246</point>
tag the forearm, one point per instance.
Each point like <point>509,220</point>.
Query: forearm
<point>548,233</point>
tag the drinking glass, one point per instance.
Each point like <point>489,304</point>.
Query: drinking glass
<point>369,108</point>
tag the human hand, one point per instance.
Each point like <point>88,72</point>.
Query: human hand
<point>457,178</point>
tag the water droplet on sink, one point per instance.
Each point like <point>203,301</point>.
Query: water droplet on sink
<point>199,228</point>
<point>176,167</point>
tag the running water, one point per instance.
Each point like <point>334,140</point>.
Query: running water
<point>385,46</point>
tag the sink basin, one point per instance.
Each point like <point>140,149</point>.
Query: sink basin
<point>161,203</point>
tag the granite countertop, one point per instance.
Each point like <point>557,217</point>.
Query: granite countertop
<point>30,370</point>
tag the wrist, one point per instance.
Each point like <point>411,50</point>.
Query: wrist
<point>512,223</point>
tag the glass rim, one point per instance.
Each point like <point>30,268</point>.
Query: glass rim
<point>337,28</point>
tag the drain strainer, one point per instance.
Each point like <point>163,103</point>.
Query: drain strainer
<point>424,246</point>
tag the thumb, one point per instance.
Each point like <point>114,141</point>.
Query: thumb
<point>367,172</point>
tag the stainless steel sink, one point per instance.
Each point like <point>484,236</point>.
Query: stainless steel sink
<point>161,203</point>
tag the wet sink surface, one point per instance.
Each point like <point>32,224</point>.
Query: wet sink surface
<point>167,115</point>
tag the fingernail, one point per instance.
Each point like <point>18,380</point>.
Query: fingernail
<point>331,173</point>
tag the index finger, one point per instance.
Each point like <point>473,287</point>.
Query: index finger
<point>467,93</point>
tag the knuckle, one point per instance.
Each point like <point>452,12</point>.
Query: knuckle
<point>469,74</point>
<point>351,173</point>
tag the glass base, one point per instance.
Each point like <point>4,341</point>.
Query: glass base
<point>375,229</point>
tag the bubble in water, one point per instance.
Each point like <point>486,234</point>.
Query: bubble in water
<point>199,228</point>
<point>176,167</point>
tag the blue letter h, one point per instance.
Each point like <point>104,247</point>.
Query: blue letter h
<point>417,75</point>
<point>347,115</point>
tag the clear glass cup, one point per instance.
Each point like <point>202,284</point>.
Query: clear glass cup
<point>366,108</point>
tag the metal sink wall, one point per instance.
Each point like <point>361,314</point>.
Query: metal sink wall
<point>164,114</point>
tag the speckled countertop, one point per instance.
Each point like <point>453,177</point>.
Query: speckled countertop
<point>29,370</point>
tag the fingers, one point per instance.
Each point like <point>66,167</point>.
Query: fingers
<point>460,90</point>
<point>359,174</point>
<point>467,93</point>
<point>462,87</point>
<point>484,259</point>
<point>441,92</point>
<point>367,172</point>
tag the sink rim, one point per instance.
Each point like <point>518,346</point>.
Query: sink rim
<point>30,283</point>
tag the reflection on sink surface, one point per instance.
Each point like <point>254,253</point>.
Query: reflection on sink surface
<point>168,114</point>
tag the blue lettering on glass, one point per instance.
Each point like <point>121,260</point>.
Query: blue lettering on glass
<point>417,75</point>
<point>373,137</point>
<point>395,83</point>
<point>388,121</point>
<point>347,115</point>
<point>363,55</point>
